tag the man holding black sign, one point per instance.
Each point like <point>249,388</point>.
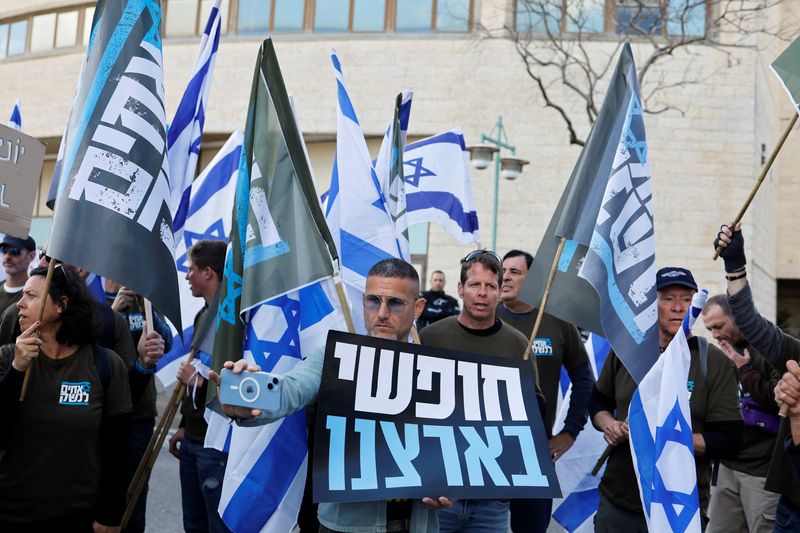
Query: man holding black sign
<point>391,302</point>
<point>477,329</point>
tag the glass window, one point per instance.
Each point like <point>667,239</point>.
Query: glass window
<point>586,16</point>
<point>3,39</point>
<point>181,17</point>
<point>687,17</point>
<point>539,17</point>
<point>67,28</point>
<point>368,15</point>
<point>16,38</point>
<point>332,15</point>
<point>205,11</point>
<point>452,15</point>
<point>88,15</point>
<point>414,15</point>
<point>288,15</point>
<point>638,19</point>
<point>42,32</point>
<point>253,17</point>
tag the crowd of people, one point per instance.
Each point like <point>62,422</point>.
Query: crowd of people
<point>85,370</point>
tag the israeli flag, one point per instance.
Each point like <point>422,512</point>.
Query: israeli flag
<point>355,209</point>
<point>575,512</point>
<point>389,169</point>
<point>97,290</point>
<point>438,185</point>
<point>16,118</point>
<point>186,129</point>
<point>266,472</point>
<point>661,436</point>
<point>208,216</point>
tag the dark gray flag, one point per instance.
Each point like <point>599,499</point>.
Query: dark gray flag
<point>112,215</point>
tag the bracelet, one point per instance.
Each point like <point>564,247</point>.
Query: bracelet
<point>734,278</point>
<point>144,370</point>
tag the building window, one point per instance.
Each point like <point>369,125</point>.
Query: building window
<point>623,17</point>
<point>67,29</point>
<point>332,16</point>
<point>289,15</point>
<point>369,15</point>
<point>16,37</point>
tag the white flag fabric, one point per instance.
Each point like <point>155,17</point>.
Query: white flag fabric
<point>208,216</point>
<point>389,169</point>
<point>575,512</point>
<point>438,185</point>
<point>186,129</point>
<point>661,436</point>
<point>355,208</point>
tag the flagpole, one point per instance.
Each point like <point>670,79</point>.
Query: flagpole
<point>337,281</point>
<point>151,452</point>
<point>550,278</point>
<point>761,177</point>
<point>50,268</point>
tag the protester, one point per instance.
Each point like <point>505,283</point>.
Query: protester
<point>438,304</point>
<point>713,401</point>
<point>201,469</point>
<point>787,392</point>
<point>477,329</point>
<point>779,349</point>
<point>150,348</point>
<point>557,345</point>
<point>739,501</point>
<point>63,449</point>
<point>17,256</point>
<point>390,303</point>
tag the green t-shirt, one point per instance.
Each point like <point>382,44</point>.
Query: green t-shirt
<point>557,343</point>
<point>713,398</point>
<point>51,464</point>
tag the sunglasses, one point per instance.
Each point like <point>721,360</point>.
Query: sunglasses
<point>13,250</point>
<point>372,302</point>
<point>477,253</point>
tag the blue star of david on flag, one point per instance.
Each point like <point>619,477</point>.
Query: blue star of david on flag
<point>266,353</point>
<point>227,307</point>
<point>215,232</point>
<point>677,430</point>
<point>418,171</point>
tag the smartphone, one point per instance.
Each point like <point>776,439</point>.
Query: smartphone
<point>254,390</point>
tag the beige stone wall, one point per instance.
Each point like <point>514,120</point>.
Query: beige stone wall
<point>703,161</point>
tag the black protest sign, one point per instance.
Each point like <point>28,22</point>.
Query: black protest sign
<point>398,420</point>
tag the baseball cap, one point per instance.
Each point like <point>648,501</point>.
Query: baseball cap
<point>16,242</point>
<point>674,276</point>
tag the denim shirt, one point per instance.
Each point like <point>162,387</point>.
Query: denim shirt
<point>299,387</point>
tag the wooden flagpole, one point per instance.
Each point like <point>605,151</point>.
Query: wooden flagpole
<point>550,278</point>
<point>761,177</point>
<point>43,300</point>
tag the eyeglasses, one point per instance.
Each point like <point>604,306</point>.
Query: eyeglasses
<point>477,253</point>
<point>372,302</point>
<point>13,250</point>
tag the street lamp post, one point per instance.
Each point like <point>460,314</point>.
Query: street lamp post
<point>481,156</point>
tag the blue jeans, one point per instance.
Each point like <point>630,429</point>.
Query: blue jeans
<point>202,471</point>
<point>530,515</point>
<point>787,517</point>
<point>479,516</point>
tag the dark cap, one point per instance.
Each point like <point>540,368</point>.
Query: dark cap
<point>16,242</point>
<point>674,276</point>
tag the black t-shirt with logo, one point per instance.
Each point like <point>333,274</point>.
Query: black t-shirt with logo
<point>51,464</point>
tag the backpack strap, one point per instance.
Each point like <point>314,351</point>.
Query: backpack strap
<point>702,343</point>
<point>103,364</point>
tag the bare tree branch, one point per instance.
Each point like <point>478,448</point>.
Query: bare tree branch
<point>557,42</point>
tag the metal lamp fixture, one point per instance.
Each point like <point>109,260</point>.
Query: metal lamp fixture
<point>511,167</point>
<point>481,155</point>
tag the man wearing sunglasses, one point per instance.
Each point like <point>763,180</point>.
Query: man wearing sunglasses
<point>391,303</point>
<point>477,329</point>
<point>17,257</point>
